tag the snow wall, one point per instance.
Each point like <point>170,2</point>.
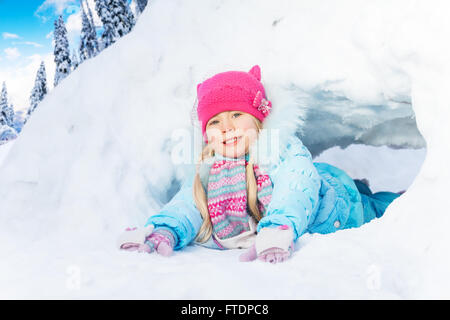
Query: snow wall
<point>95,156</point>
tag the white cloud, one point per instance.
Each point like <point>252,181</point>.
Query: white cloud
<point>29,43</point>
<point>20,80</point>
<point>73,22</point>
<point>7,35</point>
<point>56,6</point>
<point>12,53</point>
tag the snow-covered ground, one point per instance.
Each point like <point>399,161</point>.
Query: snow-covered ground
<point>95,156</point>
<point>4,149</point>
<point>386,169</point>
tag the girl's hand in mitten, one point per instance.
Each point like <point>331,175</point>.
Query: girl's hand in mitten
<point>148,239</point>
<point>162,241</point>
<point>274,255</point>
<point>271,245</point>
<point>133,238</point>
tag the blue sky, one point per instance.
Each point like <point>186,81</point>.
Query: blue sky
<point>26,28</point>
<point>26,39</point>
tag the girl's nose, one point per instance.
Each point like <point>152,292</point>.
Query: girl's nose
<point>227,125</point>
<point>227,129</point>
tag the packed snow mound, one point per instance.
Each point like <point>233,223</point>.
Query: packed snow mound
<point>95,156</point>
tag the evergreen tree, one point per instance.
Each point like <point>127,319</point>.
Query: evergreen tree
<point>130,15</point>
<point>75,61</point>
<point>140,6</point>
<point>88,41</point>
<point>123,18</point>
<point>61,51</point>
<point>93,30</point>
<point>4,106</point>
<point>10,115</point>
<point>39,90</point>
<point>109,34</point>
<point>85,30</point>
<point>6,110</point>
<point>19,121</point>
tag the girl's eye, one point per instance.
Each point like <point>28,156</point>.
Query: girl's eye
<point>237,114</point>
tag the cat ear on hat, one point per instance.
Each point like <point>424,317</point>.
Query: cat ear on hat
<point>256,72</point>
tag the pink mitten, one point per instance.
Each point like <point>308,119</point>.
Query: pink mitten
<point>274,255</point>
<point>271,245</point>
<point>133,238</point>
<point>148,239</point>
<point>161,240</point>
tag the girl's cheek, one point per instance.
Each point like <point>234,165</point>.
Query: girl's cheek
<point>213,134</point>
<point>251,133</point>
<point>246,124</point>
<point>209,136</point>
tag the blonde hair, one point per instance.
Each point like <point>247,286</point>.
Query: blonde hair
<point>201,201</point>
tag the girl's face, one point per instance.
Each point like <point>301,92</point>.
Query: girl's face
<point>230,133</point>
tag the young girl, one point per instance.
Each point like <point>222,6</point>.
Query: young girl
<point>230,202</point>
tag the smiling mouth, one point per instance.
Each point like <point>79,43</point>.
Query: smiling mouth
<point>232,141</point>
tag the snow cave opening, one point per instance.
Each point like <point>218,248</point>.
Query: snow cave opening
<point>378,143</point>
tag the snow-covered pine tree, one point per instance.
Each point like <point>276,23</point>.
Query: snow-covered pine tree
<point>93,35</point>
<point>140,6</point>
<point>39,90</point>
<point>88,39</point>
<point>109,34</point>
<point>4,106</point>
<point>6,110</point>
<point>130,14</point>
<point>122,16</point>
<point>10,115</point>
<point>75,61</point>
<point>85,30</point>
<point>61,51</point>
<point>19,120</point>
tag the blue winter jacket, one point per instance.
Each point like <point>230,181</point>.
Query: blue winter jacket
<point>309,197</point>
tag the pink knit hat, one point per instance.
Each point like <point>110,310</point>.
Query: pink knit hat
<point>232,90</point>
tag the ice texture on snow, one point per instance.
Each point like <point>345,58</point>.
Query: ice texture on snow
<point>95,156</point>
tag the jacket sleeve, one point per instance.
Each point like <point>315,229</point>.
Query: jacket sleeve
<point>180,214</point>
<point>296,185</point>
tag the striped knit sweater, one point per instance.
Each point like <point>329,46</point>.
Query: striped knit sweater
<point>227,195</point>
